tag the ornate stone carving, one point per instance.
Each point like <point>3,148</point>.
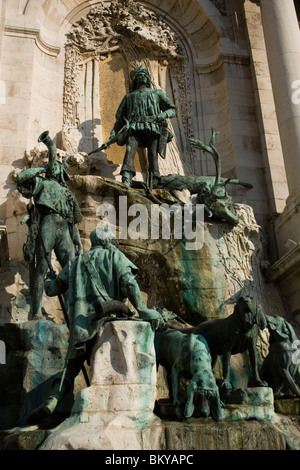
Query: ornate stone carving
<point>107,26</point>
<point>71,91</point>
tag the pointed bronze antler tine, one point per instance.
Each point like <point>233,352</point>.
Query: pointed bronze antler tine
<point>246,185</point>
<point>228,180</point>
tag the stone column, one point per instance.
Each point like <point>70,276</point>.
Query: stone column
<point>282,38</point>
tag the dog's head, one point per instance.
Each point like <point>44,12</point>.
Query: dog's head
<point>250,313</point>
<point>203,399</point>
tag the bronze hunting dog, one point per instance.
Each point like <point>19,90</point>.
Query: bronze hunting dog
<point>232,335</point>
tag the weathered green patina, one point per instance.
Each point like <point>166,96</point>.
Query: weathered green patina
<point>189,357</point>
<point>51,220</point>
<point>104,273</point>
<point>281,368</point>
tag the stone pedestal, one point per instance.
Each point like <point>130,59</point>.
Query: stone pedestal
<point>249,423</point>
<point>248,403</point>
<point>117,409</point>
<point>282,38</point>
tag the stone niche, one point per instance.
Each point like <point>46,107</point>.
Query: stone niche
<point>197,284</point>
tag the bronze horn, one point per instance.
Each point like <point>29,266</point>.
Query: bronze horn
<point>45,139</point>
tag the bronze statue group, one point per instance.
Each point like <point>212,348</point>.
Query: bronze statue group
<point>92,285</point>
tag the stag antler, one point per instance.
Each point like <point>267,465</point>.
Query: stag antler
<point>210,148</point>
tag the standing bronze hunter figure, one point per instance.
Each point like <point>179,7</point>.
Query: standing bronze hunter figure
<point>142,118</point>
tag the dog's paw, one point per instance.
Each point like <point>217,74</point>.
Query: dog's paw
<point>226,385</point>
